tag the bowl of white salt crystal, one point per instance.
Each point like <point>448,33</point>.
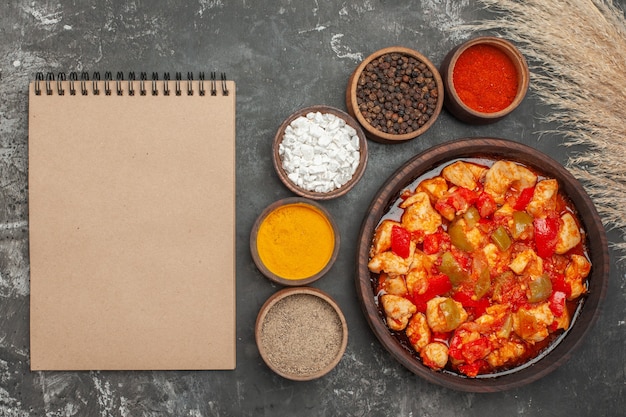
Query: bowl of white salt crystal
<point>320,152</point>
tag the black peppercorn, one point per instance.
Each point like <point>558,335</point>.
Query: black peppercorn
<point>397,93</point>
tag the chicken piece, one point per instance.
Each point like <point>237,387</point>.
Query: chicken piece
<point>416,281</point>
<point>506,353</point>
<point>478,170</point>
<point>435,188</point>
<point>496,321</point>
<point>435,355</point>
<point>390,263</point>
<point>382,237</point>
<point>393,284</point>
<point>454,202</point>
<point>504,216</point>
<point>465,334</point>
<point>444,314</point>
<point>506,326</point>
<point>505,211</point>
<point>497,310</point>
<point>420,215</point>
<point>575,274</point>
<point>563,321</point>
<point>528,262</point>
<point>417,277</point>
<point>464,174</point>
<point>544,198</point>
<point>416,197</point>
<point>506,174</point>
<point>493,318</point>
<point>498,261</point>
<point>569,234</point>
<point>418,331</point>
<point>398,311</point>
<point>532,324</point>
<point>474,235</point>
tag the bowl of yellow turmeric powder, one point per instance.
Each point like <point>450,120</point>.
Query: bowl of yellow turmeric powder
<point>294,241</point>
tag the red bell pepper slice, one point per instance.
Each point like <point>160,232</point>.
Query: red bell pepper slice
<point>456,343</point>
<point>560,284</point>
<point>458,200</point>
<point>437,285</point>
<point>524,198</point>
<point>475,350</point>
<point>436,242</point>
<point>400,241</point>
<point>442,337</point>
<point>471,353</point>
<point>486,205</point>
<point>472,369</point>
<point>431,243</point>
<point>478,307</point>
<point>557,303</point>
<point>546,235</point>
<point>465,196</point>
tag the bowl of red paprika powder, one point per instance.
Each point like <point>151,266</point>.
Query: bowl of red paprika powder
<point>485,79</point>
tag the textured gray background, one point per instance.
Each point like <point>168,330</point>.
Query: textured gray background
<point>283,55</point>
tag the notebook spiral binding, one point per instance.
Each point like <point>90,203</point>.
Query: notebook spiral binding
<point>82,83</point>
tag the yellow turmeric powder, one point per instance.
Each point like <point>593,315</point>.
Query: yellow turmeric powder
<point>295,241</point>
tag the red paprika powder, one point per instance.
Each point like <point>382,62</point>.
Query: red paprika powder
<point>485,78</point>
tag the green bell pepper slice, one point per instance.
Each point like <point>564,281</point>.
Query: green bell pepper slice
<point>522,223</point>
<point>451,267</point>
<point>539,289</point>
<point>451,313</point>
<point>501,238</point>
<point>458,237</point>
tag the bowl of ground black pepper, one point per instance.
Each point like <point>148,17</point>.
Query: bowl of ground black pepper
<point>301,333</point>
<point>485,79</point>
<point>396,94</point>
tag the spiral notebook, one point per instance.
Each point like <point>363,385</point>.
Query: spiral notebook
<point>132,222</point>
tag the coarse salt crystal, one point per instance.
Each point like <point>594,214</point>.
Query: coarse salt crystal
<point>325,140</point>
<point>319,152</point>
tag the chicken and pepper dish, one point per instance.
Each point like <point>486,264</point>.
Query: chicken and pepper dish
<point>479,267</point>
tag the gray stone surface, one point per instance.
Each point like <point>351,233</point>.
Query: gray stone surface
<point>283,55</point>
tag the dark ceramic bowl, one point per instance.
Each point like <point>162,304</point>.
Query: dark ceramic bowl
<point>587,310</point>
<point>455,105</point>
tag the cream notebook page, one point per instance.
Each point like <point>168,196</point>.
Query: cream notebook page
<point>132,225</point>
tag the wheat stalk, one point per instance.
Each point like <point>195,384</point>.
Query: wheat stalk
<point>576,50</point>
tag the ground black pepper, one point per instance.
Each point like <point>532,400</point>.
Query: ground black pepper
<point>397,93</point>
<point>302,335</point>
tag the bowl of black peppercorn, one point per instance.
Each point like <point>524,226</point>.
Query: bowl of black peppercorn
<point>395,94</point>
